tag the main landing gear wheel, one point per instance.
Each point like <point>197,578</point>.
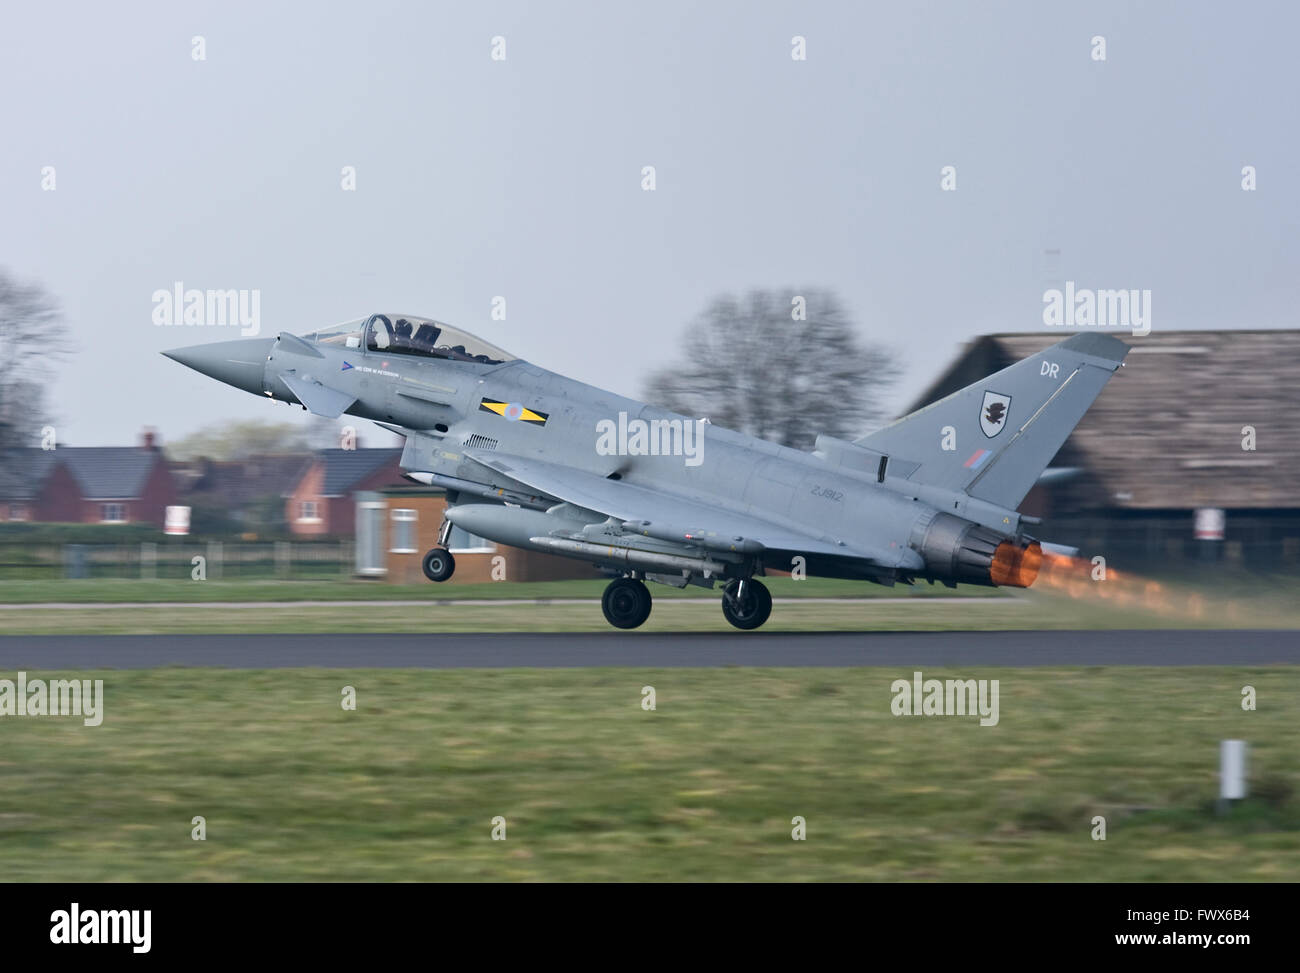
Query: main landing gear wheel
<point>626,603</point>
<point>438,564</point>
<point>747,603</point>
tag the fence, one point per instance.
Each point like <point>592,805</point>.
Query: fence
<point>176,558</point>
<point>1259,540</point>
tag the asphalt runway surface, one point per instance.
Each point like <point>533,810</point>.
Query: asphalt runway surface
<point>1169,647</point>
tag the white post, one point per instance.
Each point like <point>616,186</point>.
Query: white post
<point>1232,771</point>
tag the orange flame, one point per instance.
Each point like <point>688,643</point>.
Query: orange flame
<point>1015,567</point>
<point>1074,577</point>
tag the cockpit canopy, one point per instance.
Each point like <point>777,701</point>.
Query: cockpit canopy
<point>406,334</point>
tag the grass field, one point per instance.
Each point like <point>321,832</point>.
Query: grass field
<point>571,606</point>
<point>594,787</point>
<point>669,616</point>
<point>107,591</point>
<point>1248,587</point>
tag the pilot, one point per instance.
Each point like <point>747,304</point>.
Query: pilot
<point>426,338</point>
<point>402,334</point>
<point>380,336</point>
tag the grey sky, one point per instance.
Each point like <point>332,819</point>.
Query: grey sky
<point>522,178</point>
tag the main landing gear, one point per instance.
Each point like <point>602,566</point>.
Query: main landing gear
<point>746,603</point>
<point>626,603</point>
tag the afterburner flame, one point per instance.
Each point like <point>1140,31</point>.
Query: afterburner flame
<point>1015,567</point>
<point>1079,578</point>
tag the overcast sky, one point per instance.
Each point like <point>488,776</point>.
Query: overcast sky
<point>522,177</point>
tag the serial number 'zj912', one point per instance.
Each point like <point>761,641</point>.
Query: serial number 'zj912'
<point>827,493</point>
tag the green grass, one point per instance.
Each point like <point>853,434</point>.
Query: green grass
<point>1049,609</point>
<point>106,590</point>
<point>595,788</point>
<point>668,616</point>
<point>1216,600</point>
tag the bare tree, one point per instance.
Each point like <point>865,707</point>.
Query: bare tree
<point>783,366</point>
<point>241,439</point>
<point>233,440</point>
<point>31,338</point>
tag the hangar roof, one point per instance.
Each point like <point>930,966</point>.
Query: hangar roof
<point>1166,432</point>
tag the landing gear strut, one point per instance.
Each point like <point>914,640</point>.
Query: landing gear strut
<point>626,603</point>
<point>746,603</point>
<point>438,564</point>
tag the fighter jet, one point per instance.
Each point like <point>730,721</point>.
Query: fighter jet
<point>535,460</point>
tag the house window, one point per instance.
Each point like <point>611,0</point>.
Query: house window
<point>112,513</point>
<point>403,537</point>
<point>462,541</point>
<point>308,510</point>
<point>17,511</point>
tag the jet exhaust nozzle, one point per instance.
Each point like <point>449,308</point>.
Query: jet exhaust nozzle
<point>1016,566</point>
<point>959,550</point>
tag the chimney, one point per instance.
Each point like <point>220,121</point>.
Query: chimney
<point>148,439</point>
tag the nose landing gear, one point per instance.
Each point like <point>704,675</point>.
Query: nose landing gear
<point>746,603</point>
<point>438,564</point>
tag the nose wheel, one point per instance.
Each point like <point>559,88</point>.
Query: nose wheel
<point>626,603</point>
<point>438,564</point>
<point>746,603</point>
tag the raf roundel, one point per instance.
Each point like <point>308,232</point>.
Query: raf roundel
<point>513,411</point>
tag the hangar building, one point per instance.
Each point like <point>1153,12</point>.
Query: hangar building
<point>1171,436</point>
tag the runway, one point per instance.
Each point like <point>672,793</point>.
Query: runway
<point>1177,647</point>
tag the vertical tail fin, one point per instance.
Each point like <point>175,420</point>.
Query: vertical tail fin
<point>992,439</point>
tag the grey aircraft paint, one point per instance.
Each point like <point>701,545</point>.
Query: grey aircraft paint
<point>539,461</point>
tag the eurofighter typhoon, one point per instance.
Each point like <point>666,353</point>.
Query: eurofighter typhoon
<point>532,459</point>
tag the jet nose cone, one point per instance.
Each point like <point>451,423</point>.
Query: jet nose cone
<point>239,363</point>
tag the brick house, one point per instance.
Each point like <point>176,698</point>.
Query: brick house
<point>240,494</point>
<point>22,473</point>
<point>321,501</point>
<point>87,484</point>
<point>398,525</point>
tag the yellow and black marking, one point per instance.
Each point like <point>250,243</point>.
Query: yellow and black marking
<point>513,411</point>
